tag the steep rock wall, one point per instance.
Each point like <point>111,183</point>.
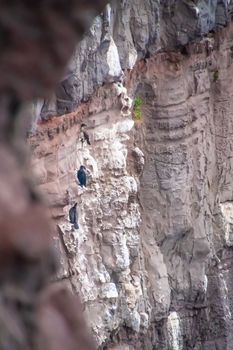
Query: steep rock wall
<point>152,259</point>
<point>184,193</point>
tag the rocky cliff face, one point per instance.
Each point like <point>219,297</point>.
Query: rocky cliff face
<point>152,259</point>
<point>126,32</point>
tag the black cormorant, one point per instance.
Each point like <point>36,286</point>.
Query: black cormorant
<point>73,216</point>
<point>82,177</point>
<point>84,135</point>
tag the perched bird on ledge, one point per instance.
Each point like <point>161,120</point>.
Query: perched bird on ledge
<point>84,135</point>
<point>73,216</point>
<point>82,177</point>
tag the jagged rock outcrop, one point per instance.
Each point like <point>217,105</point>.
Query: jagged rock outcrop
<point>152,259</point>
<point>128,31</point>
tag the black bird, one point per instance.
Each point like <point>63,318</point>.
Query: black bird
<point>84,135</point>
<point>73,216</point>
<point>82,177</point>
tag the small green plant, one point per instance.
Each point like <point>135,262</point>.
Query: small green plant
<point>137,108</point>
<point>215,76</point>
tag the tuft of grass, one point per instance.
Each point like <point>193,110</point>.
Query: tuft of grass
<point>215,76</point>
<point>137,108</point>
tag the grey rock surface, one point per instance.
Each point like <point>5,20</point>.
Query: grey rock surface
<point>127,31</point>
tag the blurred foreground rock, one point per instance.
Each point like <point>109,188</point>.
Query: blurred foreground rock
<point>36,40</point>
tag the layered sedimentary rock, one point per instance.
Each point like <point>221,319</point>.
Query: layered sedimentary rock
<point>152,259</point>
